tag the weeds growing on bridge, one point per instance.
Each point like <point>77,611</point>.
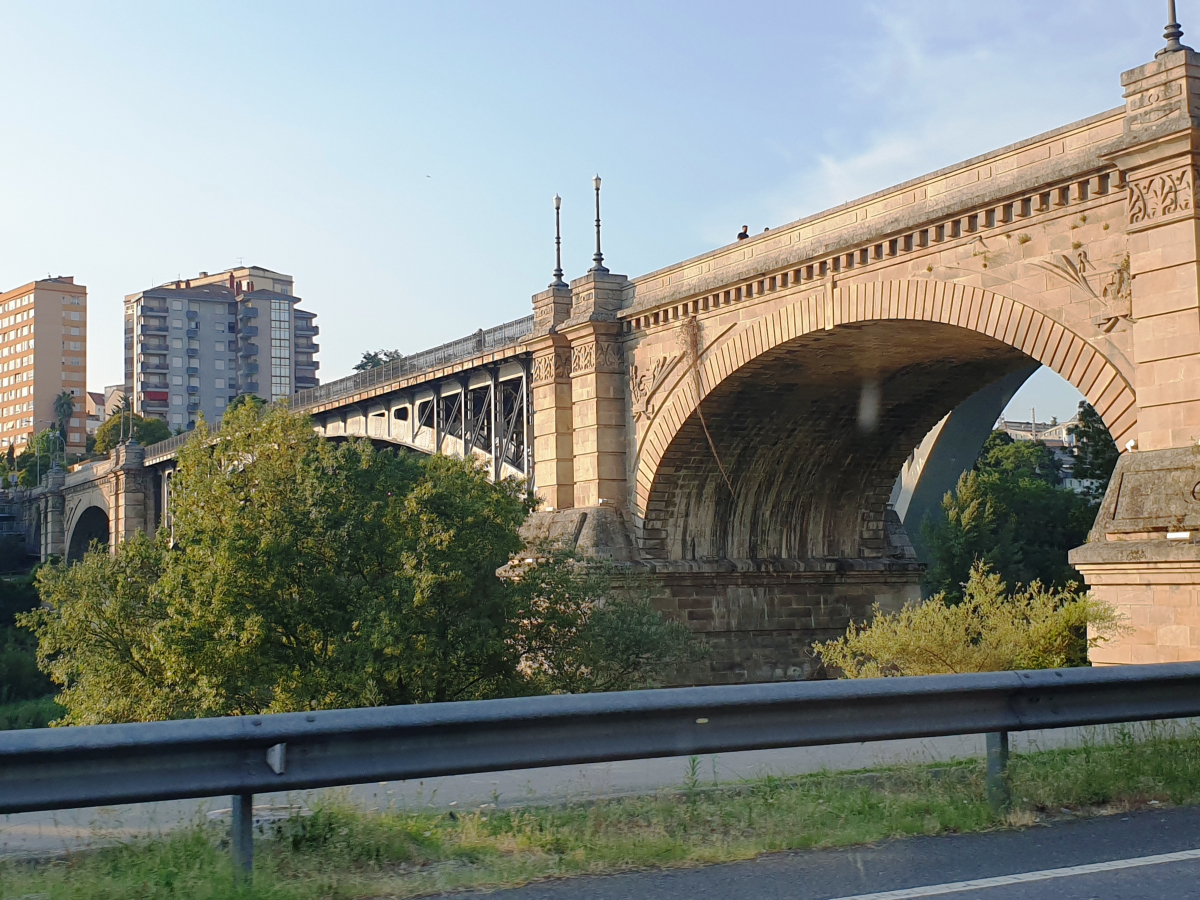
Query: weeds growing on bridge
<point>342,852</point>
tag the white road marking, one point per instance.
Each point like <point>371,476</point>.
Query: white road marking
<point>935,890</point>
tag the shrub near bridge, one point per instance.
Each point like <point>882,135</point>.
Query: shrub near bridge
<point>295,574</point>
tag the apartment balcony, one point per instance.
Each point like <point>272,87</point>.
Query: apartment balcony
<point>310,347</point>
<point>249,350</point>
<point>154,311</point>
<point>193,334</point>
<point>193,370</point>
<point>250,368</point>
<point>248,312</point>
<point>306,330</point>
<point>193,351</point>
<point>153,326</point>
<point>193,314</point>
<point>250,387</point>
<point>311,364</point>
<point>303,382</point>
<point>151,345</point>
<point>193,388</point>
<point>153,366</point>
<point>154,404</point>
<point>248,331</point>
<point>193,407</point>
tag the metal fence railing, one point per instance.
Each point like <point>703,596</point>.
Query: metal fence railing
<point>482,341</point>
<point>167,447</point>
<point>59,768</point>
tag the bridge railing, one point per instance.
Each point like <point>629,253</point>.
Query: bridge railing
<point>482,341</point>
<point>61,768</point>
<point>167,447</point>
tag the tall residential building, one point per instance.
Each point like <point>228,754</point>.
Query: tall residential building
<point>43,352</point>
<point>193,345</point>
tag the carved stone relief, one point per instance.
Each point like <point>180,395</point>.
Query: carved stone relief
<point>598,356</point>
<point>1161,196</point>
<point>552,367</point>
<point>644,382</point>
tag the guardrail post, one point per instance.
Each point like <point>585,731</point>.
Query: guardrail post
<point>241,838</point>
<point>998,789</point>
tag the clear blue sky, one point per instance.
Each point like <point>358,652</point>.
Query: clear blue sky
<point>399,159</point>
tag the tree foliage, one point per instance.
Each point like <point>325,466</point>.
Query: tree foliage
<point>297,573</point>
<point>1010,513</point>
<point>64,409</point>
<point>989,630</point>
<point>373,359</point>
<point>146,431</point>
<point>1095,451</point>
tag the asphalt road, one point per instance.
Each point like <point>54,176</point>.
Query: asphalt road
<point>1117,857</point>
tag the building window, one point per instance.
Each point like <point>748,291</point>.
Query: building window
<point>220,363</point>
<point>177,323</point>
<point>220,403</point>
<point>177,418</point>
<point>177,343</point>
<point>176,304</point>
<point>281,349</point>
<point>220,383</point>
<point>177,362</point>
<point>219,346</point>
<point>177,399</point>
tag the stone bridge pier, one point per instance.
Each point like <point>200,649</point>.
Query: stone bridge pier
<point>735,423</point>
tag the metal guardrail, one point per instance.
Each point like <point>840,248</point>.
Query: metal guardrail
<point>482,341</point>
<point>60,768</point>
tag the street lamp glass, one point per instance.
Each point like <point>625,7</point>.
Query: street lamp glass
<point>596,182</point>
<point>557,202</point>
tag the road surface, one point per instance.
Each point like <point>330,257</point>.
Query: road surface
<point>1139,856</point>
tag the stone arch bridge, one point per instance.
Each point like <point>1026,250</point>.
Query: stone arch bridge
<point>736,422</point>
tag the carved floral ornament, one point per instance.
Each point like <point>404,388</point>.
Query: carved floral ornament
<point>598,356</point>
<point>553,366</point>
<point>1162,195</point>
<point>1114,300</point>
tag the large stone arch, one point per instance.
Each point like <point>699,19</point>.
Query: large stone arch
<point>92,524</point>
<point>781,397</point>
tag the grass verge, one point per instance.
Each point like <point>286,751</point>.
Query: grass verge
<point>342,852</point>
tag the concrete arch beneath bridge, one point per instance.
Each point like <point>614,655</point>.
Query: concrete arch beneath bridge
<point>787,401</point>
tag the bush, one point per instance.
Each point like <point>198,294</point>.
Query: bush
<point>29,713</point>
<point>989,631</point>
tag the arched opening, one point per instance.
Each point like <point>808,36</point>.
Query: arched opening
<point>798,452</point>
<point>92,525</point>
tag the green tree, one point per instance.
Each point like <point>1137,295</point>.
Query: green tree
<point>1095,451</point>
<point>1010,513</point>
<point>64,409</point>
<point>299,573</point>
<point>373,359</point>
<point>988,630</point>
<point>241,399</point>
<point>146,431</point>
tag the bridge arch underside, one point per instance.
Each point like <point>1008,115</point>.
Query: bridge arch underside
<point>789,538</point>
<point>92,525</point>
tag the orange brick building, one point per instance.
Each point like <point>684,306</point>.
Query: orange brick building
<point>43,352</point>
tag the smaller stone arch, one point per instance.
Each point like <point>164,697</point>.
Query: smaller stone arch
<point>92,525</point>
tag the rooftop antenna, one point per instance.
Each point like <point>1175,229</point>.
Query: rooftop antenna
<point>598,259</point>
<point>1173,32</point>
<point>558,273</point>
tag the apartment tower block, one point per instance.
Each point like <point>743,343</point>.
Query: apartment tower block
<point>43,352</point>
<point>193,345</point>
